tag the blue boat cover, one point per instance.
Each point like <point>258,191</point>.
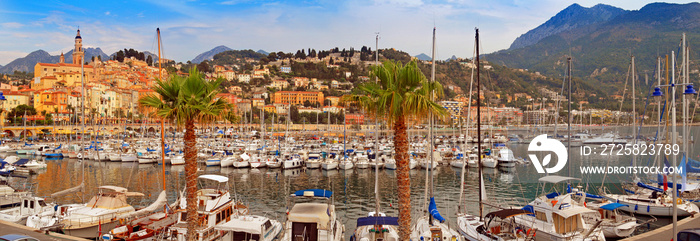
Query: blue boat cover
<point>588,195</point>
<point>433,210</point>
<point>317,193</point>
<point>649,187</point>
<point>370,221</point>
<point>59,147</point>
<point>612,206</point>
<point>530,209</point>
<point>21,162</point>
<point>552,195</point>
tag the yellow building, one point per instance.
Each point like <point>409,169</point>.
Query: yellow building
<point>14,99</point>
<point>50,100</point>
<point>270,109</point>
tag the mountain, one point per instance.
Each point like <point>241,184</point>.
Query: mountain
<point>574,16</point>
<point>423,57</point>
<point>601,51</point>
<point>260,51</point>
<point>28,62</point>
<point>230,57</point>
<point>209,55</point>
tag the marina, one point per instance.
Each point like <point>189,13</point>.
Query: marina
<point>265,191</point>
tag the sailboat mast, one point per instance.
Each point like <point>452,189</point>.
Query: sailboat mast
<point>478,124</point>
<point>634,113</point>
<point>376,139</point>
<point>162,125</point>
<point>674,139</point>
<point>568,118</point>
<point>466,134</point>
<point>430,130</point>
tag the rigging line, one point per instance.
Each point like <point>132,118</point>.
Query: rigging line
<point>646,105</point>
<point>622,101</point>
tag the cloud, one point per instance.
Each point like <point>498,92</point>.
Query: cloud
<point>8,56</point>
<point>12,25</point>
<point>107,13</point>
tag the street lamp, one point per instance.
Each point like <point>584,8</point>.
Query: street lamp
<point>689,90</point>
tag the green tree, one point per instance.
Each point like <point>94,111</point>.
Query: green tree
<point>204,67</point>
<point>185,101</point>
<point>17,113</point>
<point>307,103</point>
<point>402,93</point>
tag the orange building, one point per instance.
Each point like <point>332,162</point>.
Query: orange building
<point>298,97</point>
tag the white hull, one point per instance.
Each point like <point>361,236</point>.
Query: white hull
<point>289,164</point>
<point>241,164</point>
<point>329,165</point>
<point>666,210</point>
<point>313,164</point>
<point>177,160</point>
<point>213,162</point>
<point>345,165</point>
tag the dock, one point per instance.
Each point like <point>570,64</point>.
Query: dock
<point>13,228</point>
<point>664,233</point>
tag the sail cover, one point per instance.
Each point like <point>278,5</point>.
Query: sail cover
<point>370,221</point>
<point>433,210</point>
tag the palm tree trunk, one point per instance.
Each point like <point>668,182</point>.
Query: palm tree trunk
<point>404,179</point>
<point>191,180</point>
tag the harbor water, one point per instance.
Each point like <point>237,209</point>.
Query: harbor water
<point>265,191</point>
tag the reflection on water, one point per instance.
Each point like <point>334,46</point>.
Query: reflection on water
<point>265,190</point>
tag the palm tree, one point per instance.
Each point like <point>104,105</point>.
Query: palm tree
<point>186,101</point>
<point>71,109</point>
<point>401,93</point>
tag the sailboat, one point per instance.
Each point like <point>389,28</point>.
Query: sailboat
<point>432,226</point>
<point>376,226</point>
<point>495,225</point>
<point>647,199</point>
<point>146,223</point>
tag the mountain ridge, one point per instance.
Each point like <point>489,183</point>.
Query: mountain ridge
<point>28,62</point>
<point>209,55</point>
<point>573,16</point>
<point>602,51</point>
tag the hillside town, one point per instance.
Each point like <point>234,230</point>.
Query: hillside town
<point>113,88</point>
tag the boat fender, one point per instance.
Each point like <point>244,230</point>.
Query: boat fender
<point>679,201</point>
<point>584,205</point>
<point>635,207</point>
<point>648,208</point>
<point>121,221</point>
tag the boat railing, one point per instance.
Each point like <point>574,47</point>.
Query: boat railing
<point>90,221</point>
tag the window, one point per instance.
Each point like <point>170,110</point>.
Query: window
<point>541,216</point>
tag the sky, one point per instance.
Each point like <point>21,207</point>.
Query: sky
<point>190,27</point>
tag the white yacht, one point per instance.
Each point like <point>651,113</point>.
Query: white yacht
<point>103,211</point>
<point>506,158</point>
<point>558,217</point>
<point>313,221</point>
<point>249,227</point>
<point>293,161</point>
<point>656,203</point>
<point>215,207</point>
<point>28,206</point>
